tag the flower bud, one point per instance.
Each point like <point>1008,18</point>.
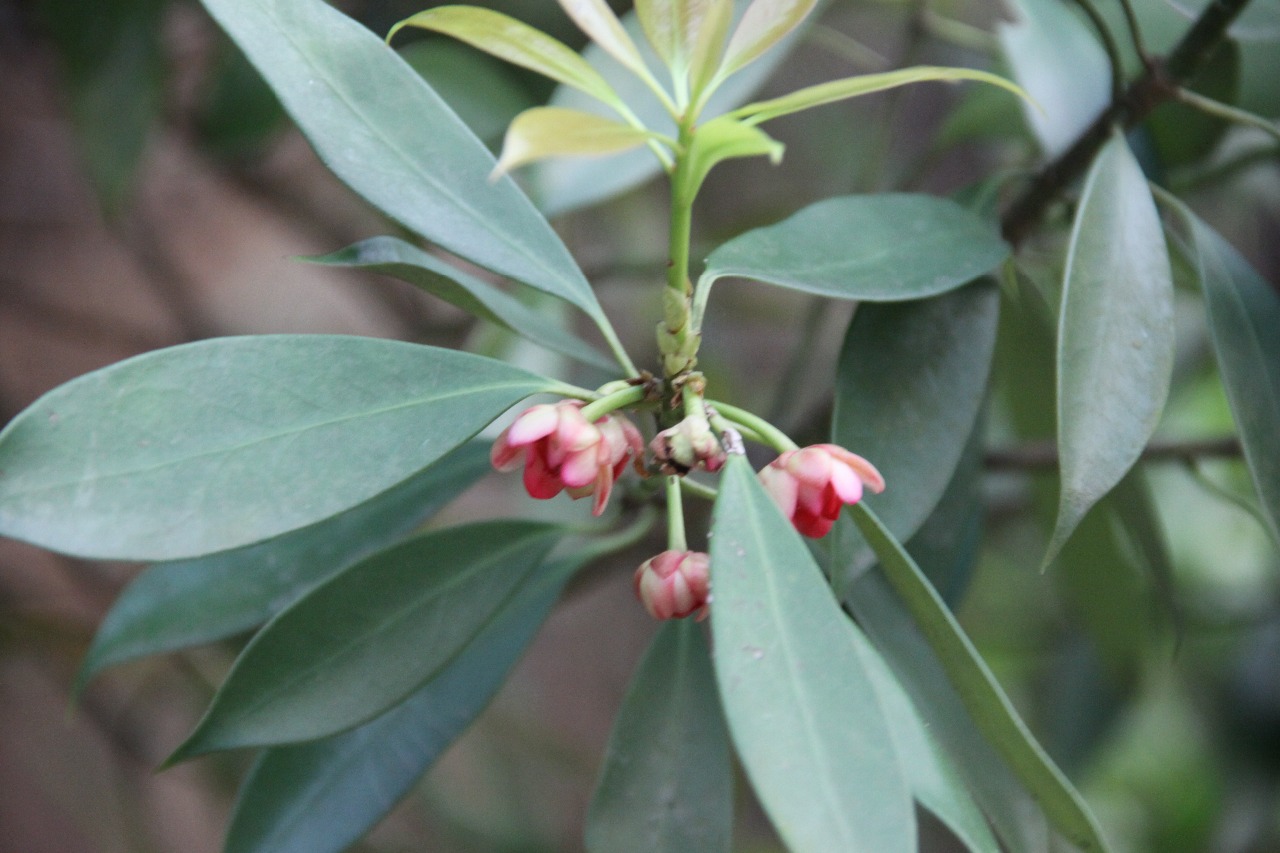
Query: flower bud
<point>812,484</point>
<point>688,445</point>
<point>674,584</point>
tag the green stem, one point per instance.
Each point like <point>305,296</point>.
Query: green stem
<point>675,516</point>
<point>612,402</point>
<point>682,193</point>
<point>615,345</point>
<point>1228,112</point>
<point>764,430</point>
<point>698,489</point>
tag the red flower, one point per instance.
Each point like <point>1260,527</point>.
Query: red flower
<point>674,584</point>
<point>561,450</point>
<point>810,485</point>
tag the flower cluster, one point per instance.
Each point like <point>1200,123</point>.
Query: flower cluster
<point>561,450</point>
<point>812,484</point>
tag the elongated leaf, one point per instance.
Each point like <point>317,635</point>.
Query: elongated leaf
<point>187,603</point>
<point>865,84</point>
<point>383,131</point>
<point>910,383</point>
<point>666,784</point>
<point>319,797</point>
<point>1244,319</point>
<point>677,29</point>
<point>562,186</point>
<point>1054,56</point>
<point>987,704</point>
<point>596,19</point>
<point>213,445</point>
<point>1014,814</point>
<point>801,707</point>
<point>483,91</point>
<point>933,778</point>
<point>388,624</point>
<point>885,248</point>
<point>515,42</point>
<point>765,23</point>
<point>394,257</point>
<point>542,132</point>
<point>1115,335</point>
<point>725,138</point>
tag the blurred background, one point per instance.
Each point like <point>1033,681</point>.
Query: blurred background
<point>152,192</point>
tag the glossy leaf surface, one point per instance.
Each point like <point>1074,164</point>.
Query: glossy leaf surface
<point>319,797</point>
<point>383,131</point>
<point>887,248</point>
<point>1115,335</point>
<point>513,41</point>
<point>597,20</point>
<point>801,706</point>
<point>543,132</point>
<point>911,381</point>
<point>865,84</point>
<point>1244,319</point>
<point>187,603</point>
<point>213,445</point>
<point>978,689</point>
<point>667,784</point>
<point>388,624</point>
<point>394,257</point>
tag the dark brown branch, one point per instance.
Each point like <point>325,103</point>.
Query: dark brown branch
<point>1156,85</point>
<point>1043,455</point>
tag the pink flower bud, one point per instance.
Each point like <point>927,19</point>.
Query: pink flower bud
<point>560,450</point>
<point>688,445</point>
<point>674,584</point>
<point>812,484</point>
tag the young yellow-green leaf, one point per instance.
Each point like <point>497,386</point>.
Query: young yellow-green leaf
<point>864,84</point>
<point>802,708</point>
<point>367,638</point>
<point>515,42</point>
<point>319,797</point>
<point>687,34</point>
<point>764,24</point>
<point>556,131</point>
<point>187,603</point>
<point>708,48</point>
<point>1244,319</point>
<point>381,129</point>
<point>722,139</point>
<point>597,20</point>
<point>1115,334</point>
<point>978,689</point>
<point>213,445</point>
<point>395,257</point>
<point>667,783</point>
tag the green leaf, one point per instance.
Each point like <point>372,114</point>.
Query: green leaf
<point>382,130</point>
<point>319,797</point>
<point>394,257</point>
<point>216,444</point>
<point>687,34</point>
<point>723,139</point>
<point>1244,316</point>
<point>484,92</point>
<point>889,248</point>
<point>933,778</point>
<point>187,603</point>
<point>978,689</point>
<point>1012,811</point>
<point>1115,335</point>
<point>1057,59</point>
<point>864,84</point>
<point>388,624</point>
<point>542,132</point>
<point>666,784</point>
<point>597,20</point>
<point>562,186</point>
<point>803,712</point>
<point>910,382</point>
<point>516,42</point>
<point>763,25</point>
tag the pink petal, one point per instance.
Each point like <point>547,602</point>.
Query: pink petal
<point>780,486</point>
<point>579,468</point>
<point>534,423</point>
<point>503,456</point>
<point>845,483</point>
<point>811,466</point>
